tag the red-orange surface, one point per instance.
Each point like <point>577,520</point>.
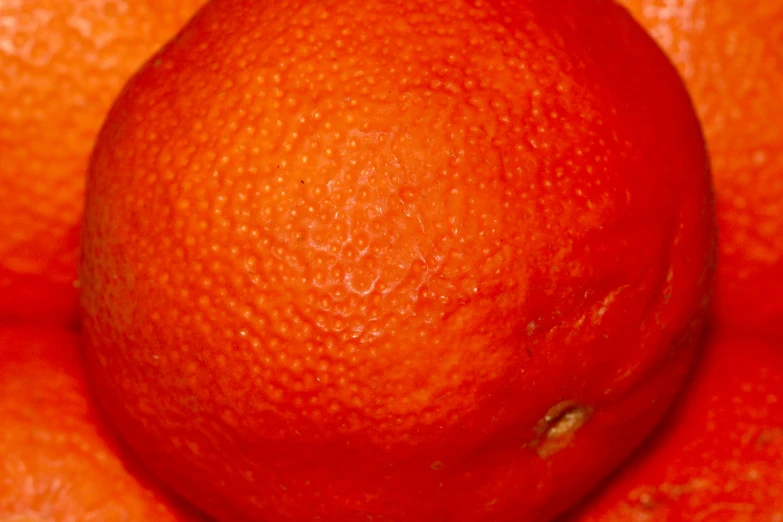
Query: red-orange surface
<point>400,260</point>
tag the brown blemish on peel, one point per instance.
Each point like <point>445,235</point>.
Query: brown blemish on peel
<point>557,428</point>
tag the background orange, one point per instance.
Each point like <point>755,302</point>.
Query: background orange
<point>62,62</point>
<point>719,455</point>
<point>730,54</point>
<point>57,460</point>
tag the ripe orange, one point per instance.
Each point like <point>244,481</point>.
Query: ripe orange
<point>58,462</point>
<point>729,54</point>
<point>62,62</point>
<point>719,457</point>
<point>393,260</point>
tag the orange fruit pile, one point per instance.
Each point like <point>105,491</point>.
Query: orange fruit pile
<point>720,455</point>
<point>62,62</point>
<point>392,260</point>
<point>354,259</point>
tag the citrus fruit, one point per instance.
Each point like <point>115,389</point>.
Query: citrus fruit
<point>719,457</point>
<point>58,461</point>
<point>729,55</point>
<point>62,62</point>
<point>402,261</point>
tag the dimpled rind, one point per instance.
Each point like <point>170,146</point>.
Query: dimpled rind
<point>342,260</point>
<point>62,62</point>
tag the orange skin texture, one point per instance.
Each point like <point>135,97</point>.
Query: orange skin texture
<point>728,53</point>
<point>718,456</point>
<point>62,62</point>
<point>416,261</point>
<point>58,461</point>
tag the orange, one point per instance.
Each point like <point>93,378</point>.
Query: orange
<point>729,55</point>
<point>719,456</point>
<point>389,260</point>
<point>58,461</point>
<point>62,62</point>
